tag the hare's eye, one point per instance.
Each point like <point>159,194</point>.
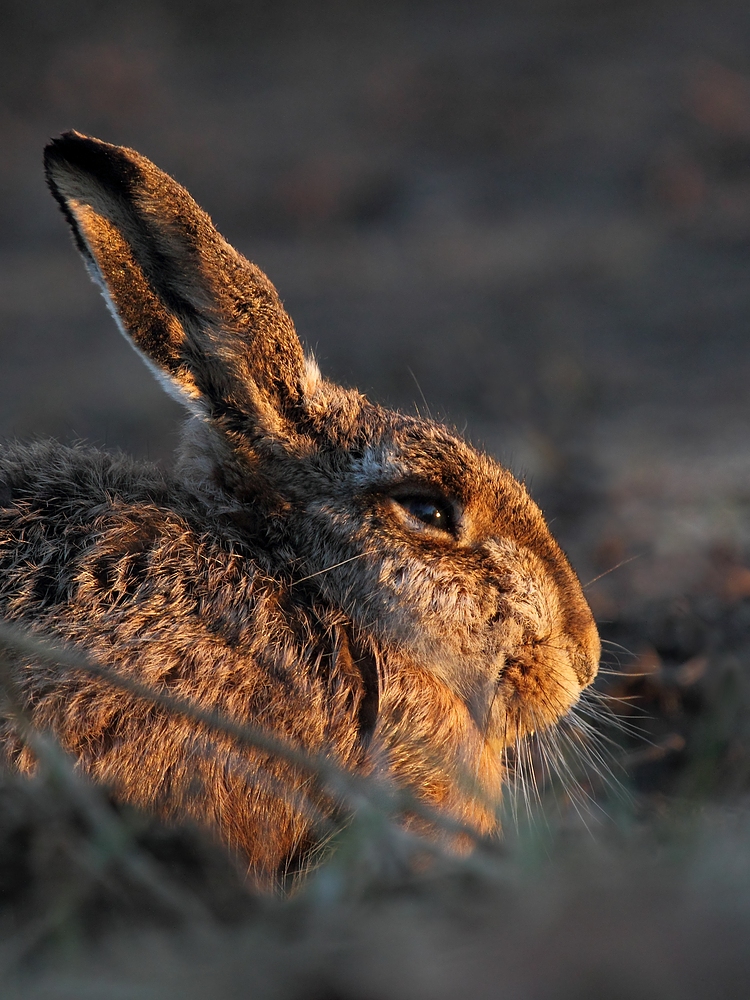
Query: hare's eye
<point>430,512</point>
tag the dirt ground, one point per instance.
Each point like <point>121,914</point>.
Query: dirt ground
<point>532,219</point>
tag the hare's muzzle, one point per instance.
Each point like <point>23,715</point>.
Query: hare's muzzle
<point>548,642</point>
<point>585,658</point>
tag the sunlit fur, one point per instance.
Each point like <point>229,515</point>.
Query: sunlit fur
<point>274,575</point>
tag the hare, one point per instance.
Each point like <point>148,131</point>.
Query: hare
<point>356,580</point>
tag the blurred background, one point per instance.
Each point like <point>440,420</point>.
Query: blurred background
<point>532,217</point>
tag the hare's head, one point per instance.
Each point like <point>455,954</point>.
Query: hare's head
<point>430,549</point>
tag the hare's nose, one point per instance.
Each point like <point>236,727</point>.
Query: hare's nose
<point>585,659</point>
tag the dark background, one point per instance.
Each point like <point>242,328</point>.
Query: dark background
<point>532,218</point>
<point>534,215</point>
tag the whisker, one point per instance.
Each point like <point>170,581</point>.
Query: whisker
<point>419,387</point>
<point>604,715</point>
<point>617,645</point>
<point>592,750</point>
<point>576,793</point>
<point>604,699</point>
<point>574,720</point>
<point>605,703</point>
<point>320,572</point>
<point>619,565</point>
<point>592,754</point>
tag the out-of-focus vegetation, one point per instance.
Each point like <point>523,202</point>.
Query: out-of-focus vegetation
<point>627,871</point>
<point>539,213</point>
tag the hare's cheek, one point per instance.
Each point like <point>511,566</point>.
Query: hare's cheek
<point>419,601</point>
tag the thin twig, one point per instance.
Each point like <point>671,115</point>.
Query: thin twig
<point>107,827</point>
<point>355,791</point>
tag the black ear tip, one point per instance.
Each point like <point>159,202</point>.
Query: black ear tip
<point>66,146</point>
<point>110,164</point>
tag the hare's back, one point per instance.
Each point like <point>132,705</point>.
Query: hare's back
<point>112,558</point>
<point>92,542</point>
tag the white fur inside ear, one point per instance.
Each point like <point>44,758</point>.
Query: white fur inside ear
<point>170,385</point>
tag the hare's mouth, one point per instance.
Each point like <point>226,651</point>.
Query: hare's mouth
<point>537,684</point>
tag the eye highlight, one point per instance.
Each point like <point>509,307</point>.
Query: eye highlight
<point>434,513</point>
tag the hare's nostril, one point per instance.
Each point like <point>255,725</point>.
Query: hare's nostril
<point>520,663</point>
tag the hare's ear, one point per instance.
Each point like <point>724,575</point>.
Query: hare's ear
<point>207,320</point>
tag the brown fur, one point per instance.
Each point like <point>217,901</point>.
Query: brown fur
<point>280,575</point>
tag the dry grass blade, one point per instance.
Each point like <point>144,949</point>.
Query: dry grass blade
<point>114,841</point>
<point>355,792</point>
